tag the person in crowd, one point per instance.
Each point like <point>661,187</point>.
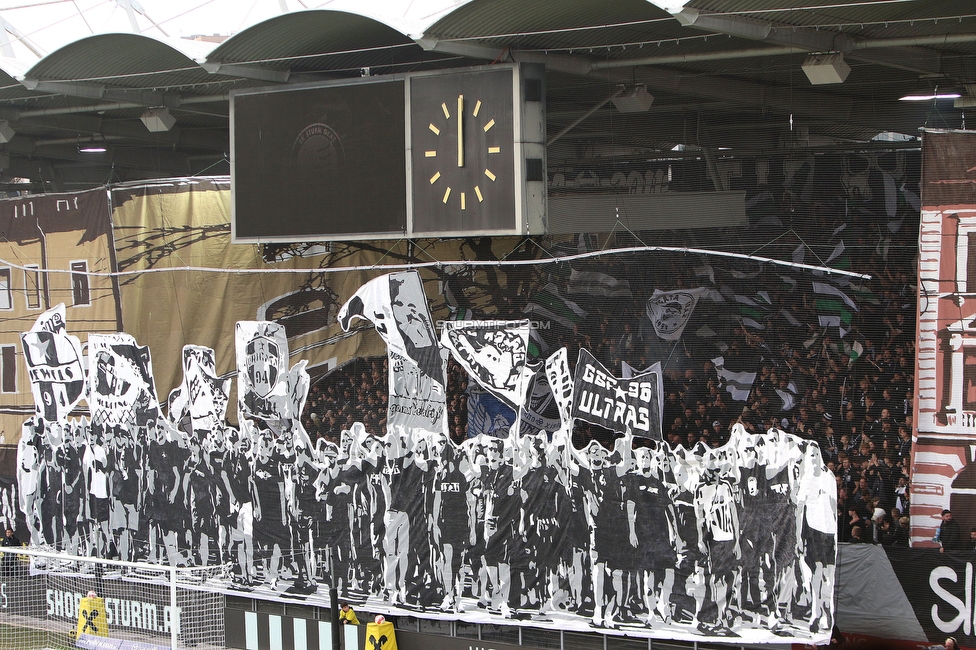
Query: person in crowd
<point>950,535</point>
<point>347,615</point>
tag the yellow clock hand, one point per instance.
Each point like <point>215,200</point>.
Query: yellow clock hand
<point>460,130</point>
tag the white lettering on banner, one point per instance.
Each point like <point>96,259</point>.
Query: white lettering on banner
<point>616,411</point>
<point>492,324</point>
<point>119,612</point>
<point>59,373</point>
<point>965,613</point>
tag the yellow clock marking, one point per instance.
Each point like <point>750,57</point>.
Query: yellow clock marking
<point>477,191</point>
<point>462,201</point>
<point>447,195</point>
<point>490,124</point>
<point>494,149</point>
<point>447,113</point>
<point>477,107</point>
<point>434,129</point>
<point>433,179</point>
<point>433,154</point>
<point>490,176</point>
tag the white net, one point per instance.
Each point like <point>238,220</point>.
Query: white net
<point>52,600</point>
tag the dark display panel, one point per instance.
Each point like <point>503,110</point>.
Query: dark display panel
<point>315,162</point>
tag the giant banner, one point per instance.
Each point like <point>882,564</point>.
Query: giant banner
<point>736,541</point>
<point>942,463</point>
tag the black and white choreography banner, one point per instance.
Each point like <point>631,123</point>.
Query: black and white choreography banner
<point>734,542</point>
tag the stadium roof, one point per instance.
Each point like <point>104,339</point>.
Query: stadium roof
<point>726,77</point>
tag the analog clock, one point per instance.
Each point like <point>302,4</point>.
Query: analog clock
<point>463,152</point>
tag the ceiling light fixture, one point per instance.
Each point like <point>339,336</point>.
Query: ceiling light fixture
<point>827,68</point>
<point>921,97</point>
<point>634,100</point>
<point>670,6</point>
<point>158,120</point>
<point>91,147</point>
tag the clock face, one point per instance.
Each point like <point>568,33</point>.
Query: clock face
<point>463,152</point>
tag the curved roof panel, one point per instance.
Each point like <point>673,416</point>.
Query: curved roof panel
<point>128,60</point>
<point>324,41</point>
<point>553,23</point>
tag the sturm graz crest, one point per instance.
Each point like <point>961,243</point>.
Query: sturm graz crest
<point>263,364</point>
<point>671,311</point>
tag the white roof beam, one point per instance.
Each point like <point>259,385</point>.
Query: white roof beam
<point>913,59</point>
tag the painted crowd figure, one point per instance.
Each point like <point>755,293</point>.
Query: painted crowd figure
<point>523,528</point>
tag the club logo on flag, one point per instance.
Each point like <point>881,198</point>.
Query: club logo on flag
<point>670,311</point>
<point>54,365</point>
<point>262,365</point>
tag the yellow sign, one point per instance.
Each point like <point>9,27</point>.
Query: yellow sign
<point>380,636</point>
<point>91,616</point>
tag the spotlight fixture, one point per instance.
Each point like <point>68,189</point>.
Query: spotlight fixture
<point>6,132</point>
<point>158,119</point>
<point>634,100</point>
<point>829,68</point>
<point>91,147</point>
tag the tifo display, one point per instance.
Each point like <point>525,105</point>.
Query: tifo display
<point>647,539</point>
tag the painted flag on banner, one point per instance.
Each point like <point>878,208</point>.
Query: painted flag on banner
<point>199,403</point>
<point>737,382</point>
<point>561,384</point>
<point>670,311</point>
<point>494,354</point>
<point>397,306</point>
<point>54,366</point>
<point>548,304</point>
<point>487,415</point>
<point>540,413</point>
<point>121,389</point>
<point>595,283</point>
<point>262,369</point>
<point>622,405</point>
